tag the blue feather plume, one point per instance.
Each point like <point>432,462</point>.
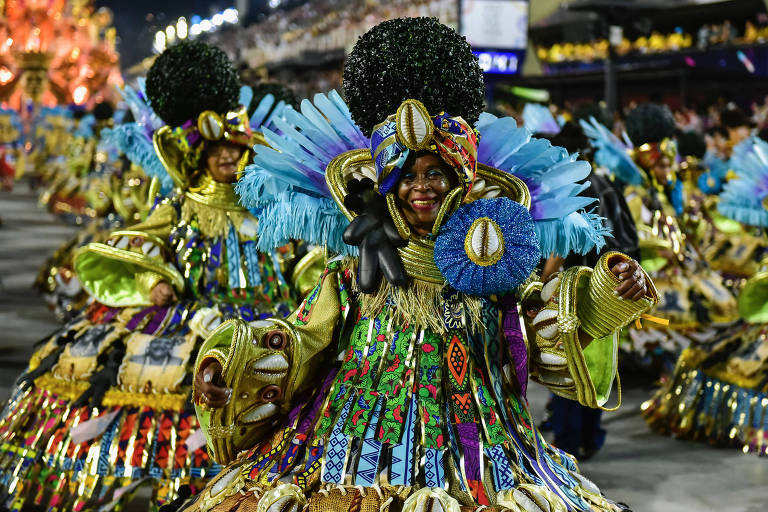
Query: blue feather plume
<point>131,139</point>
<point>142,112</point>
<point>552,175</point>
<point>538,119</point>
<point>85,126</point>
<point>285,185</point>
<point>612,153</point>
<point>743,198</point>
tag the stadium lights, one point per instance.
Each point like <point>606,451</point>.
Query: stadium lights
<point>230,15</point>
<point>159,41</point>
<point>197,25</point>
<point>274,3</point>
<point>181,28</point>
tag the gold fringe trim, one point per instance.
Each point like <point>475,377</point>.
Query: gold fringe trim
<point>212,220</point>
<point>419,303</point>
<point>166,401</point>
<point>71,390</point>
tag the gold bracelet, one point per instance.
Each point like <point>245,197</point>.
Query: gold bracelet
<point>601,311</point>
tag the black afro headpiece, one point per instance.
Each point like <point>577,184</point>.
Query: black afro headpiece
<point>278,90</point>
<point>690,143</point>
<point>189,78</point>
<point>412,58</point>
<point>649,123</point>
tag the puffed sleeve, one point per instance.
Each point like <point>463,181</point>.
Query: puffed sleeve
<point>123,270</point>
<point>265,363</point>
<point>577,300</point>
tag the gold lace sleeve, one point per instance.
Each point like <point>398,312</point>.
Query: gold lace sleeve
<point>579,299</point>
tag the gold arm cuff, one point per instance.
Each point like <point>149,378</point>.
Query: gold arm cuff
<point>601,312</point>
<point>145,281</point>
<point>167,271</point>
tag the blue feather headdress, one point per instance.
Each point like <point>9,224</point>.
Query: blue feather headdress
<point>745,198</point>
<point>134,139</point>
<point>285,186</point>
<point>613,153</point>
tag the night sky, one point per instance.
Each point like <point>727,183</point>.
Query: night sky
<point>137,21</point>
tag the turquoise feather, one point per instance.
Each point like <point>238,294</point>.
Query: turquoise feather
<point>742,198</point>
<point>612,153</point>
<point>552,176</point>
<point>131,139</point>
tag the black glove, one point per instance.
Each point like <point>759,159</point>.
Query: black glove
<point>375,233</point>
<point>104,378</point>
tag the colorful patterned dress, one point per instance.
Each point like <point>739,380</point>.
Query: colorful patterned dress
<point>405,412</point>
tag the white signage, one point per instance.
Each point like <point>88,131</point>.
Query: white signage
<point>495,24</point>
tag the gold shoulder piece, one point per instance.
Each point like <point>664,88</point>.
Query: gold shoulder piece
<point>172,156</point>
<point>356,163</point>
<point>307,272</point>
<point>491,182</point>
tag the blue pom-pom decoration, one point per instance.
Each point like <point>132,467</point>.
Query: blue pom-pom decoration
<point>488,246</point>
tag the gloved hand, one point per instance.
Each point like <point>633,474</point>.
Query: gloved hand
<point>375,233</point>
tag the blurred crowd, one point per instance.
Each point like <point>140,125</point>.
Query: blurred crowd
<point>707,36</point>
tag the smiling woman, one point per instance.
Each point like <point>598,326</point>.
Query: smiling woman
<point>423,186</point>
<point>222,160</point>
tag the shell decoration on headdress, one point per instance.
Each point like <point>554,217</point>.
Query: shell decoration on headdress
<point>135,139</point>
<point>195,90</point>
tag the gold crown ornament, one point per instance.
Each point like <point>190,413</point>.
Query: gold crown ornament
<point>181,148</point>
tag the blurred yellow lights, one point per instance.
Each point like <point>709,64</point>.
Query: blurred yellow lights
<point>181,28</point>
<point>80,94</point>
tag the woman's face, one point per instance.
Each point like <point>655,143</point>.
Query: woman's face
<point>663,170</point>
<point>422,188</point>
<point>222,158</point>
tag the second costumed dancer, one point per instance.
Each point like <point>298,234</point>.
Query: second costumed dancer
<point>105,403</point>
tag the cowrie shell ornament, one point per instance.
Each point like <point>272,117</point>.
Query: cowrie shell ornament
<point>414,125</point>
<point>210,125</point>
